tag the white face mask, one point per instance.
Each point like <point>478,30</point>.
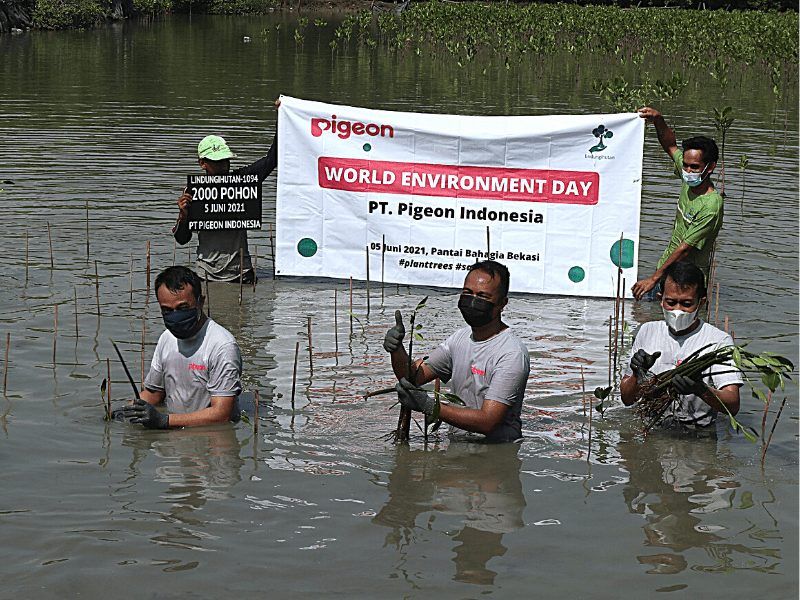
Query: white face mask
<point>679,320</point>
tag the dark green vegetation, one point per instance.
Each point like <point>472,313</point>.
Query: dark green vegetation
<point>517,32</point>
<point>708,45</point>
<point>66,14</point>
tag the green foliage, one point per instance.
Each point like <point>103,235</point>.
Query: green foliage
<point>714,39</point>
<point>150,7</point>
<point>240,7</point>
<point>58,14</point>
<point>624,97</point>
<point>723,119</point>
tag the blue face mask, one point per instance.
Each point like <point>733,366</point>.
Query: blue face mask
<point>181,323</point>
<point>693,179</point>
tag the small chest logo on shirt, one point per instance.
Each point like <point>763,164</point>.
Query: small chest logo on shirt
<point>196,367</point>
<point>476,371</point>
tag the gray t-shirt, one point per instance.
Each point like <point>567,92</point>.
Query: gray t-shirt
<point>494,369</point>
<point>190,371</point>
<point>218,254</point>
<point>656,336</point>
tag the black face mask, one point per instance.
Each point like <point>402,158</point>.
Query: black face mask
<point>181,323</point>
<point>476,311</point>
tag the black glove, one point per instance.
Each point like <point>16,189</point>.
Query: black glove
<point>394,337</point>
<point>118,414</point>
<point>686,385</point>
<point>146,414</point>
<point>642,362</point>
<point>414,399</point>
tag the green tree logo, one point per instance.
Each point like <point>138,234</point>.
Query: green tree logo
<point>600,132</point>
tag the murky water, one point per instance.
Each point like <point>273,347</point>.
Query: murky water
<point>317,503</point>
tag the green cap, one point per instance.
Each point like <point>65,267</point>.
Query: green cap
<point>213,147</point>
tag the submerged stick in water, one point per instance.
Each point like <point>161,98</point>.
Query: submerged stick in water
<point>127,371</point>
<point>366,248</point>
<point>336,322</point>
<point>147,288</point>
<point>55,331</point>
<point>97,289</point>
<point>27,254</point>
<point>87,231</point>
<point>108,389</point>
<point>272,251</point>
<point>75,294</point>
<point>130,283</point>
<point>254,263</point>
<point>50,242</point>
<point>241,273</point>
<point>351,306</point>
<point>383,265</point>
<point>256,401</point>
<point>144,333</point>
<point>5,369</point>
<point>294,370</point>
<point>310,349</point>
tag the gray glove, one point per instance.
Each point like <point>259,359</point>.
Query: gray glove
<point>146,414</point>
<point>686,385</point>
<point>642,362</point>
<point>394,337</point>
<point>414,399</point>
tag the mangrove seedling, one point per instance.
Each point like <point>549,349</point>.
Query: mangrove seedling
<point>743,164</point>
<point>722,122</point>
<point>404,421</point>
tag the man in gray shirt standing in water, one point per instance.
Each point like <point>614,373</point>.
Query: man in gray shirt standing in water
<point>218,251</point>
<point>485,363</point>
<point>197,367</point>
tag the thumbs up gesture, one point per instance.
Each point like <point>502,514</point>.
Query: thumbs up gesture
<point>394,337</point>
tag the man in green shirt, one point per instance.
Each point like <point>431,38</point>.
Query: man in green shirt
<point>699,215</point>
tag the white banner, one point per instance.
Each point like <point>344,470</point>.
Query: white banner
<point>423,196</point>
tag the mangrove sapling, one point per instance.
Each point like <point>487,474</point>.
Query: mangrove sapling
<point>657,394</point>
<point>722,122</point>
<point>404,421</point>
<point>743,164</point>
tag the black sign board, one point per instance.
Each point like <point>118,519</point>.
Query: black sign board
<point>224,202</point>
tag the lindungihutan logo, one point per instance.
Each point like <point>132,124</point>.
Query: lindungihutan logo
<point>600,132</point>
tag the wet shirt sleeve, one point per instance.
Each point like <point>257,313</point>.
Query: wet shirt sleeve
<point>155,376</point>
<point>225,371</point>
<point>509,377</point>
<point>677,158</point>
<point>441,360</point>
<point>264,165</point>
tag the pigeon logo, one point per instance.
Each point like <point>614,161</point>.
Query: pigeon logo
<point>344,129</point>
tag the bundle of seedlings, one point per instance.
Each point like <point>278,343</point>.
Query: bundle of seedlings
<point>657,394</point>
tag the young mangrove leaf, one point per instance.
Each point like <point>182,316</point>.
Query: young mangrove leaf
<point>601,393</point>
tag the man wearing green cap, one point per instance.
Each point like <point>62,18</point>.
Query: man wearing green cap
<point>218,251</point>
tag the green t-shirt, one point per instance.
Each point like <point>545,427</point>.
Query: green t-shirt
<point>697,222</point>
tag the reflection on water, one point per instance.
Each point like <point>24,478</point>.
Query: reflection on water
<point>475,486</point>
<point>678,484</point>
<point>111,117</point>
<point>194,466</point>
